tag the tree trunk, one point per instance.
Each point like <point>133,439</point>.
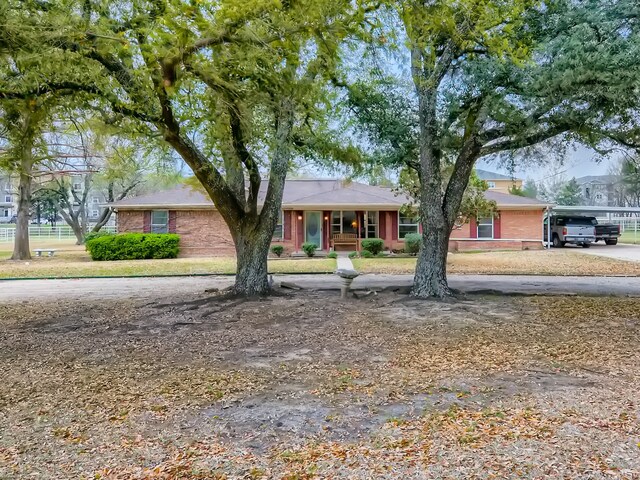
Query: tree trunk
<point>252,250</point>
<point>430,279</point>
<point>21,247</point>
<point>102,219</point>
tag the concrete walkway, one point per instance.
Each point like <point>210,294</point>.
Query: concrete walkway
<point>114,288</point>
<point>630,253</point>
<point>343,262</point>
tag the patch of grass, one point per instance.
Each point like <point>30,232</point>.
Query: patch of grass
<point>630,237</point>
<point>74,262</point>
<point>542,262</point>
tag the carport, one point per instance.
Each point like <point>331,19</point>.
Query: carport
<point>628,218</point>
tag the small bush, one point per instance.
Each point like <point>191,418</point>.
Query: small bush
<point>134,246</point>
<point>332,255</point>
<point>98,234</point>
<point>366,254</point>
<point>373,245</point>
<point>353,254</point>
<point>277,250</point>
<point>309,249</point>
<point>412,243</point>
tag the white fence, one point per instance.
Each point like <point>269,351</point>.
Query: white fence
<point>63,232</point>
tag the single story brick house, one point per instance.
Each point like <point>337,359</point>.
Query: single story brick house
<point>326,212</point>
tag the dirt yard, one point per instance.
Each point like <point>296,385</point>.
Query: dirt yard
<point>305,386</point>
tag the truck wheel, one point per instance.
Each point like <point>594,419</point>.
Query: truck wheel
<point>612,242</point>
<point>586,245</point>
<point>556,241</point>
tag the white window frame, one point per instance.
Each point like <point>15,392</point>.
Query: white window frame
<point>491,184</point>
<point>366,221</point>
<point>280,225</point>
<point>406,224</point>
<point>8,198</point>
<point>164,227</point>
<point>95,200</point>
<point>95,213</point>
<point>77,186</point>
<point>493,228</point>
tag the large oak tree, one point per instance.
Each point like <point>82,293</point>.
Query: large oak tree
<point>234,86</point>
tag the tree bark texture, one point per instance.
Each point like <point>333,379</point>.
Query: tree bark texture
<point>252,249</point>
<point>21,246</point>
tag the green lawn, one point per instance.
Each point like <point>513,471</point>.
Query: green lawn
<point>72,261</point>
<point>630,237</point>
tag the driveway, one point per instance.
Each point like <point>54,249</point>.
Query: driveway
<point>115,288</point>
<point>627,252</point>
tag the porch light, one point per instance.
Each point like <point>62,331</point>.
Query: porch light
<point>326,218</point>
<point>299,217</point>
<point>354,224</point>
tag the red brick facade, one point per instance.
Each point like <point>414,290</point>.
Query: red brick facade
<point>203,232</point>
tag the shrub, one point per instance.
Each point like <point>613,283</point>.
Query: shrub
<point>98,234</point>
<point>134,246</point>
<point>277,250</point>
<point>366,254</point>
<point>353,254</point>
<point>332,255</point>
<point>373,245</point>
<point>412,243</point>
<point>309,249</point>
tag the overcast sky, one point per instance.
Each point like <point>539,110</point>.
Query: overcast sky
<point>578,163</point>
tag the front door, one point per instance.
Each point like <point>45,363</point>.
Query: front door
<point>313,228</point>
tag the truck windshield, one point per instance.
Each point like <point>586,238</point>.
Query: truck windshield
<point>577,221</point>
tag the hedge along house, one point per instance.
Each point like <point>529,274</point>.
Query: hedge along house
<point>333,214</point>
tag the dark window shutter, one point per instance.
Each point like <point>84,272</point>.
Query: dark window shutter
<point>146,222</point>
<point>172,221</point>
<point>394,225</point>
<point>382,225</point>
<point>473,228</point>
<point>496,227</point>
<point>287,224</point>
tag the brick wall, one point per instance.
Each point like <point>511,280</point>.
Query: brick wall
<point>521,224</point>
<point>203,232</point>
<point>130,221</point>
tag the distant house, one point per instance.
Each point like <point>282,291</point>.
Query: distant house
<point>320,211</point>
<point>7,198</point>
<point>498,182</point>
<point>601,190</point>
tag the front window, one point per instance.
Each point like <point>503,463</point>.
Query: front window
<point>159,221</point>
<point>485,227</point>
<point>407,224</point>
<point>278,233</point>
<point>347,222</point>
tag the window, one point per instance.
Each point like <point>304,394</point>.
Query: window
<point>7,198</point>
<point>491,184</point>
<point>599,196</point>
<point>94,213</point>
<point>159,221</point>
<point>77,186</point>
<point>95,200</point>
<point>371,224</point>
<point>278,233</point>
<point>5,213</point>
<point>485,227</point>
<point>407,225</point>
<point>348,222</point>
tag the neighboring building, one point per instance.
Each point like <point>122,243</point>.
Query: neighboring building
<point>498,182</point>
<point>318,211</point>
<point>7,198</point>
<point>601,190</point>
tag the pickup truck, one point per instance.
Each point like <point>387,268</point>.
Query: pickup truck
<point>608,232</point>
<point>572,229</point>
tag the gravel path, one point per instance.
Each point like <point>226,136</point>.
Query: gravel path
<point>20,290</point>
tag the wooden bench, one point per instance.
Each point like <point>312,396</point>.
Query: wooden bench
<point>50,251</point>
<point>349,239</point>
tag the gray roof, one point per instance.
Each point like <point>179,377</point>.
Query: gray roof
<point>603,179</point>
<point>318,193</point>
<point>487,175</point>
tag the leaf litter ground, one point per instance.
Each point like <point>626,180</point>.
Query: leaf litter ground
<point>308,386</point>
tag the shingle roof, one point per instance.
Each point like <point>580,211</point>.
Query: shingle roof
<point>320,193</point>
<point>487,175</point>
